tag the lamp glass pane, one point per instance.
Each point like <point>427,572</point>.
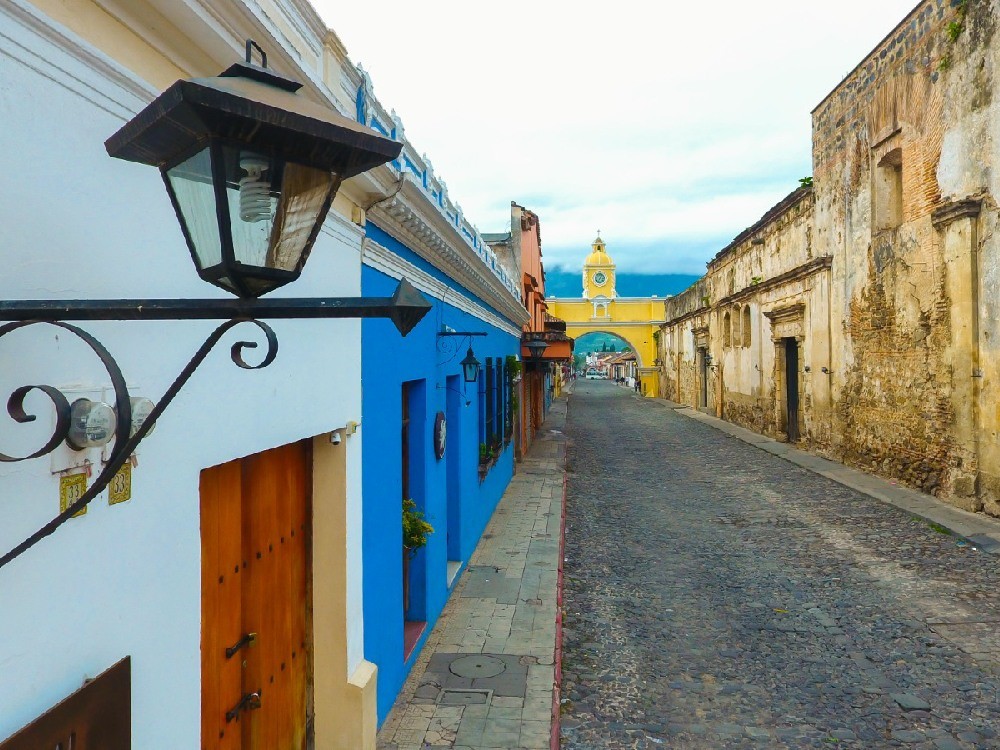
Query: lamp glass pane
<point>305,192</point>
<point>252,195</point>
<point>191,182</point>
<point>273,208</point>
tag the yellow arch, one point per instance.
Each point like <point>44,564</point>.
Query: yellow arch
<point>634,319</point>
<point>609,330</point>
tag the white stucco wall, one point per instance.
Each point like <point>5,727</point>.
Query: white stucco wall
<point>125,579</point>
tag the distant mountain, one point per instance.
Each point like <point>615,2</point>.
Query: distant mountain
<point>559,283</point>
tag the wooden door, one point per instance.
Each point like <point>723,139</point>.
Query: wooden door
<point>792,388</point>
<point>703,377</point>
<point>256,601</point>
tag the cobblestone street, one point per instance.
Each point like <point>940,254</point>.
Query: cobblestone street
<point>717,596</point>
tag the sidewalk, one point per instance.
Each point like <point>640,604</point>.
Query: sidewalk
<point>980,530</point>
<point>487,676</point>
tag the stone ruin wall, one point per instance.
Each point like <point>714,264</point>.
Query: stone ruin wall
<point>749,273</point>
<point>679,370</point>
<point>893,377</point>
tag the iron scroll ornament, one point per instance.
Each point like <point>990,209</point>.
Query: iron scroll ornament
<point>125,443</point>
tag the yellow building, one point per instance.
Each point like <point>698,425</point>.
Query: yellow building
<point>601,310</point>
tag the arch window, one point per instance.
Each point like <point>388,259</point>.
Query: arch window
<point>727,333</point>
<point>747,334</point>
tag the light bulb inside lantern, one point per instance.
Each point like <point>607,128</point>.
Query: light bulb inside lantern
<point>255,190</point>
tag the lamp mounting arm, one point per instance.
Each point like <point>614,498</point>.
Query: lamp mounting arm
<point>405,308</point>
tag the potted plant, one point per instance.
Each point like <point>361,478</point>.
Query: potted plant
<point>415,533</point>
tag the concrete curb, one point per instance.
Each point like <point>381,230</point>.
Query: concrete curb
<point>980,530</point>
<point>557,651</point>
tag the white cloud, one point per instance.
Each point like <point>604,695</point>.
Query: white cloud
<point>665,125</point>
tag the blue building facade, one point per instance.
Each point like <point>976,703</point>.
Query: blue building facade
<point>409,387</point>
<point>413,390</point>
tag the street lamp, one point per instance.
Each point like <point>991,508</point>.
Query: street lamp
<point>536,348</point>
<point>448,344</point>
<point>470,367</point>
<point>251,169</point>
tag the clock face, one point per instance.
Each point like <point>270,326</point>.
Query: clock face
<point>600,278</point>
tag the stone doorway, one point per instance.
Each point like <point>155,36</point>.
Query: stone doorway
<point>791,389</point>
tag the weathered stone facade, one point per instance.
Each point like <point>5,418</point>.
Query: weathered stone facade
<point>765,292</point>
<point>885,274</point>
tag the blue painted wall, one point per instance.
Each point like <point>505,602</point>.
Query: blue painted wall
<point>431,366</point>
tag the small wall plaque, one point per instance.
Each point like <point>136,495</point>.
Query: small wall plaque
<point>71,489</point>
<point>120,487</point>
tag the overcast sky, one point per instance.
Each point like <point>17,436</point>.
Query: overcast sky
<point>668,126</point>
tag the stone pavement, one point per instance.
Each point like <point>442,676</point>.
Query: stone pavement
<point>979,529</point>
<point>486,677</point>
<point>718,596</point>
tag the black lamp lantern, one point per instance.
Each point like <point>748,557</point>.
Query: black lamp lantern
<point>536,348</point>
<point>251,169</point>
<point>470,367</point>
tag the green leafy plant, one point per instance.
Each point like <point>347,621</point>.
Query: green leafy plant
<point>805,181</point>
<point>514,366</point>
<point>415,528</point>
<point>952,32</point>
<point>485,454</point>
<point>756,280</point>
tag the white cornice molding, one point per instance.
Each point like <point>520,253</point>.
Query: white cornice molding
<point>55,52</point>
<point>384,260</point>
<point>437,241</point>
<point>221,29</point>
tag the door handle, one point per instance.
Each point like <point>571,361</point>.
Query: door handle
<point>248,702</point>
<point>246,640</point>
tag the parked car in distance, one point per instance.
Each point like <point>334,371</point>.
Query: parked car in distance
<point>594,375</point>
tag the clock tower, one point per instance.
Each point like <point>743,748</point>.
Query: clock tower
<point>599,273</point>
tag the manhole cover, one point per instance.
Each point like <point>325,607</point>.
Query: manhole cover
<point>477,665</point>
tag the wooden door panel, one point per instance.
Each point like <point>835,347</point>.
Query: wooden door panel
<point>98,716</point>
<point>274,491</point>
<point>299,550</point>
<point>260,613</point>
<point>223,568</point>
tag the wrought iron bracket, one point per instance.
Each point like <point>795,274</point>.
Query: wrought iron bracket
<point>405,308</point>
<point>449,342</point>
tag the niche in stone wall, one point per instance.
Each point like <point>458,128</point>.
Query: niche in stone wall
<point>888,191</point>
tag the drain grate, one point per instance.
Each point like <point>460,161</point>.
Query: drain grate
<point>464,697</point>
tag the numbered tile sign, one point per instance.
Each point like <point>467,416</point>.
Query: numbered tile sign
<point>71,489</point>
<point>120,488</point>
